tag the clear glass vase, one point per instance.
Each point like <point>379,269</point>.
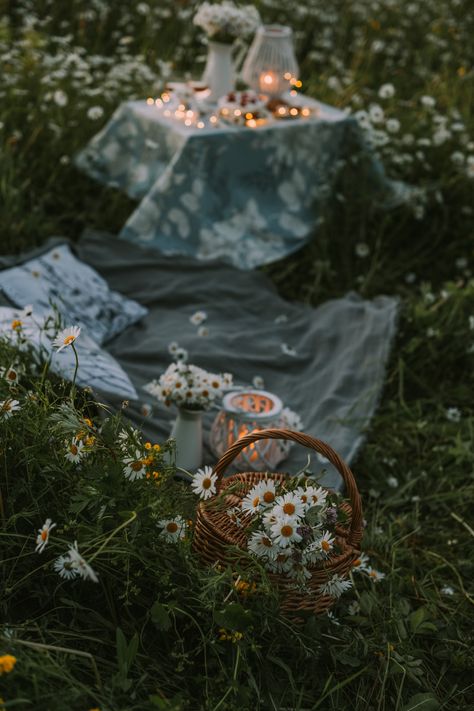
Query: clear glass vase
<point>270,64</point>
<point>187,431</point>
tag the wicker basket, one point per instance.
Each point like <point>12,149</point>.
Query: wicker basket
<point>218,539</point>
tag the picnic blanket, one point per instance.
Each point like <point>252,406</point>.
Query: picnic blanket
<point>327,364</point>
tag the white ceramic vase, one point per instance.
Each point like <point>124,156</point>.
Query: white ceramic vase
<point>187,431</point>
<point>219,73</point>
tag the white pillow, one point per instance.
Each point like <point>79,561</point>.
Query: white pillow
<point>79,293</point>
<point>97,369</point>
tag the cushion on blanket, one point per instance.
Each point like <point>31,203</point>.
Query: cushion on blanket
<point>97,369</point>
<point>78,292</point>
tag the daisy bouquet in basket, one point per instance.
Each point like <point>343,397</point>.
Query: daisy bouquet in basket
<point>291,526</point>
<point>189,386</point>
<point>225,22</point>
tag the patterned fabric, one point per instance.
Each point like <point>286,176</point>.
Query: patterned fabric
<point>97,369</point>
<point>81,296</point>
<point>246,196</point>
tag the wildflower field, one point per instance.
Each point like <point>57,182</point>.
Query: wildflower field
<point>103,606</point>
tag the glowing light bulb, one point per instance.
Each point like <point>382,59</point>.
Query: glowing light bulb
<point>294,112</point>
<point>213,119</point>
<point>150,101</point>
<point>158,102</point>
<point>200,124</point>
<point>305,112</point>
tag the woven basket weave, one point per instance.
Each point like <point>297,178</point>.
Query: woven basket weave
<point>218,539</point>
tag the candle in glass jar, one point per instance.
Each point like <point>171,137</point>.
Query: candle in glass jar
<point>268,82</point>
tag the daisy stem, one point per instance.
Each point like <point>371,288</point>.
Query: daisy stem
<point>111,535</point>
<point>73,388</point>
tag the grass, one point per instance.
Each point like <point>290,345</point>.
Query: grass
<point>150,639</point>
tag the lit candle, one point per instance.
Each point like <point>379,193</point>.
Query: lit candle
<point>269,82</point>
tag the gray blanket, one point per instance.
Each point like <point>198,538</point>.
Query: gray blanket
<point>327,364</point>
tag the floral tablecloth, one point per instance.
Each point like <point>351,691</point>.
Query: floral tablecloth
<point>246,196</point>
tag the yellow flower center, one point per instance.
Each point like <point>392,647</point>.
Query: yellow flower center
<point>73,449</point>
<point>315,499</point>
<point>268,497</point>
<point>16,325</point>
<point>11,375</point>
<point>68,340</point>
<point>373,574</point>
<point>256,502</point>
<point>286,531</point>
<point>304,498</point>
<point>44,535</point>
<point>357,562</point>
<point>266,542</point>
<point>289,509</point>
<point>206,483</point>
<point>326,546</point>
<point>136,466</point>
<point>172,527</point>
<point>215,384</point>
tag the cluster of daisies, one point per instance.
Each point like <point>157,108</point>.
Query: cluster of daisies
<point>189,386</point>
<point>140,460</point>
<point>226,21</point>
<point>290,531</point>
<point>70,565</point>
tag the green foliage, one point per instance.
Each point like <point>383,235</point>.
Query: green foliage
<point>147,635</point>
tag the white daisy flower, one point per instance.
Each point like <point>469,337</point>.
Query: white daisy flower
<point>11,374</point>
<point>453,414</point>
<point>258,382</point>
<point>447,590</point>
<point>325,543</point>
<point>81,565</point>
<point>289,504</point>
<point>173,529</point>
<point>135,467</point>
<point>267,492</point>
<point>204,483</point>
<point>181,354</point>
<point>63,565</point>
<point>43,535</point>
<point>361,565</point>
<point>283,563</point>
<point>375,575</point>
<point>252,502</point>
<point>75,450</point>
<point>284,531</point>
<point>8,407</point>
<point>335,586</point>
<point>291,420</point>
<point>316,495</point>
<point>262,545</point>
<point>173,347</point>
<point>203,332</point>
<point>198,318</point>
<point>66,337</point>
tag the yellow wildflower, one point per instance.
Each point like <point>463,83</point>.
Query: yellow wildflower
<point>7,662</point>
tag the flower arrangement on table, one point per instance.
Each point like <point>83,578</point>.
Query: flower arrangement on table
<point>189,386</point>
<point>226,21</point>
<point>193,390</point>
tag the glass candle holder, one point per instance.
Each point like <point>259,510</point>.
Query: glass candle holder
<point>243,412</point>
<point>270,65</point>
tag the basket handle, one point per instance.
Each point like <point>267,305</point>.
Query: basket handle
<point>312,443</point>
